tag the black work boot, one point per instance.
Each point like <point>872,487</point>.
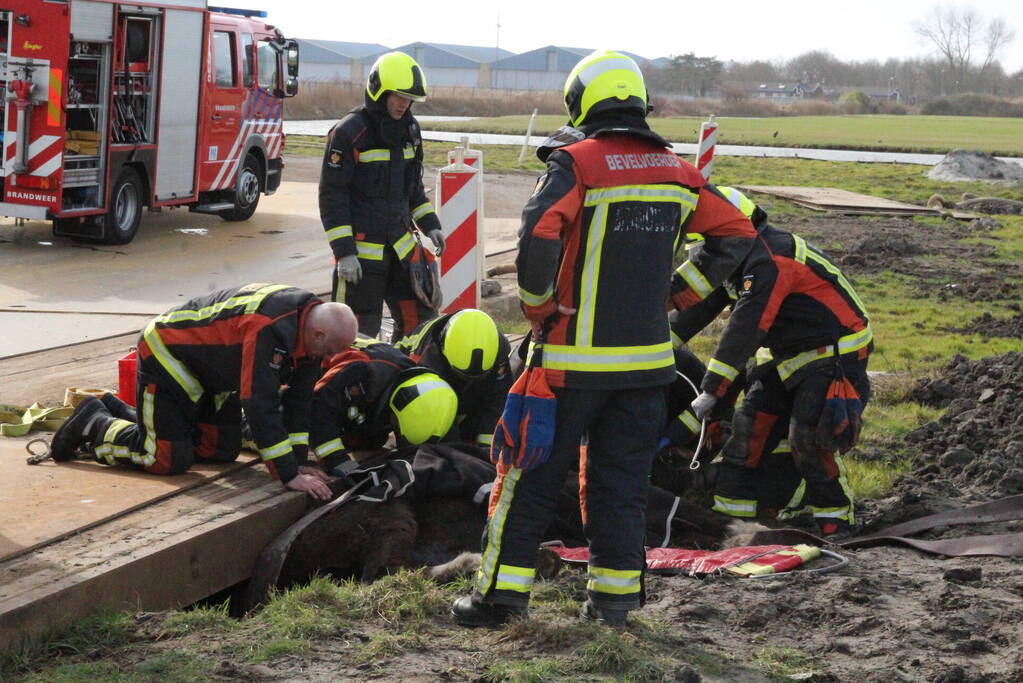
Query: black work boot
<point>77,429</point>
<point>118,408</point>
<point>615,618</point>
<point>469,611</point>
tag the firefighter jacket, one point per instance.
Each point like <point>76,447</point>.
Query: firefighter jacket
<point>788,297</point>
<point>351,408</point>
<point>249,340</point>
<point>480,399</point>
<point>371,192</point>
<point>598,235</point>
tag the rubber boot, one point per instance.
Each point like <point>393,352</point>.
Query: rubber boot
<point>78,429</point>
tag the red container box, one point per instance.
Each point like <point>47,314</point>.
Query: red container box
<point>126,377</point>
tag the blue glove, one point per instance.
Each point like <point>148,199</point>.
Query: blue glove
<point>663,443</point>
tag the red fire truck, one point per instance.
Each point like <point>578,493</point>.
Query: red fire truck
<point>112,107</point>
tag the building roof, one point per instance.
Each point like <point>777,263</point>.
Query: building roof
<point>477,53</point>
<point>436,55</point>
<point>336,51</point>
<point>536,60</point>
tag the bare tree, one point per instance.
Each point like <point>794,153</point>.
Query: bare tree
<point>998,35</point>
<point>958,32</point>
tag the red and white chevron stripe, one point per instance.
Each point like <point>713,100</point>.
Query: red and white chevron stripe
<point>459,189</point>
<point>705,152</point>
<point>271,130</point>
<point>44,154</point>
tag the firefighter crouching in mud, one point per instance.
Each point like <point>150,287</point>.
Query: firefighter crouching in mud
<point>594,271</point>
<point>203,362</point>
<point>371,192</point>
<point>788,297</point>
<point>368,392</point>
<point>470,354</point>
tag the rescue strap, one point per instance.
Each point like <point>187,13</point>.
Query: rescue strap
<point>998,545</point>
<point>271,561</point>
<point>18,421</point>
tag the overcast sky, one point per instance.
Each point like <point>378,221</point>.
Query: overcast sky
<point>737,30</point>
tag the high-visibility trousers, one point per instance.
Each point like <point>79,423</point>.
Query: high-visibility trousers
<point>622,428</point>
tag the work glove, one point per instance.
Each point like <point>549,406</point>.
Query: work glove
<point>437,237</point>
<point>703,405</point>
<point>349,269</point>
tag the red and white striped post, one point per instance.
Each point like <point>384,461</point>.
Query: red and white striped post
<point>459,191</point>
<point>705,152</point>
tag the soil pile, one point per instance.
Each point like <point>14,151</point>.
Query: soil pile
<point>974,451</point>
<point>972,164</point>
<point>988,325</point>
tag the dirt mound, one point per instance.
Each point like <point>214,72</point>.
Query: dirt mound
<point>992,205</point>
<point>971,164</point>
<point>974,451</point>
<point>988,325</point>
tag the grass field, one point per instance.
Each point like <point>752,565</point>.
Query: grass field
<point>934,134</point>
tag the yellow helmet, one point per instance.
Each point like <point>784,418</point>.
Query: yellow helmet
<point>470,342</point>
<point>424,406</point>
<point>602,81</point>
<point>396,72</point>
<point>748,207</point>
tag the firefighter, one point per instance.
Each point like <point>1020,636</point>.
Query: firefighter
<point>371,195</point>
<point>594,264</point>
<point>203,362</point>
<point>369,392</point>
<point>469,353</point>
<point>788,297</point>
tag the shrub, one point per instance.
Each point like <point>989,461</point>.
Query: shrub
<point>856,102</point>
<point>973,105</point>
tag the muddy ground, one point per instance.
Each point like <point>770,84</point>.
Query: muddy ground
<point>893,614</point>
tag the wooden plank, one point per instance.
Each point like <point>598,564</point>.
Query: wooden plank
<point>844,201</point>
<point>41,503</point>
<point>162,557</point>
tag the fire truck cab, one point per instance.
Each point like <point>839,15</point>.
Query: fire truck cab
<point>111,107</point>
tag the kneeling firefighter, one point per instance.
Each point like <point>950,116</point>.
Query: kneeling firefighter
<point>469,353</point>
<point>805,392</point>
<point>371,391</point>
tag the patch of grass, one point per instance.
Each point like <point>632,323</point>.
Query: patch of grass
<point>92,637</point>
<point>406,599</point>
<point>279,647</point>
<point>782,662</point>
<point>938,134</point>
<point>619,654</point>
<point>84,672</point>
<point>172,667</point>
<point>207,618</point>
<point>384,644</point>
<point>318,609</point>
<point>872,479</point>
<point>532,670</point>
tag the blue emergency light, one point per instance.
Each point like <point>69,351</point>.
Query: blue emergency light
<point>241,12</point>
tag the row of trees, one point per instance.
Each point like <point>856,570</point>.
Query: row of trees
<point>965,60</point>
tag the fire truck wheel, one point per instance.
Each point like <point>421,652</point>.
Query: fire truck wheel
<point>122,221</point>
<point>246,194</point>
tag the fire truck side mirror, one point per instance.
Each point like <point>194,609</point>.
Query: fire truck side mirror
<point>290,54</point>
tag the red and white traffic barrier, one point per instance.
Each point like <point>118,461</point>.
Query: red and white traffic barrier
<point>460,197</point>
<point>705,152</point>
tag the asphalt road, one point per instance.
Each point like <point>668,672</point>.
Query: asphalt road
<point>55,292</point>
